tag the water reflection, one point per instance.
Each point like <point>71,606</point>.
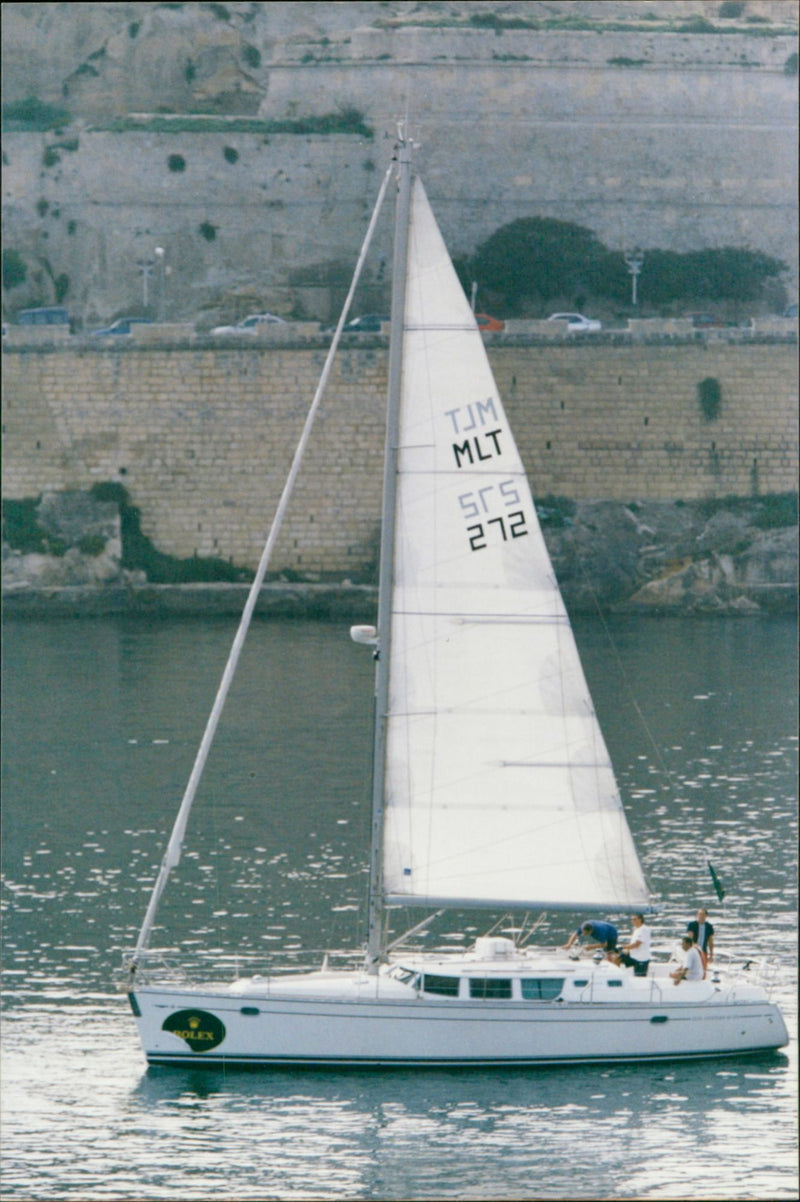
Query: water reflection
<point>538,1131</point>
<point>101,721</point>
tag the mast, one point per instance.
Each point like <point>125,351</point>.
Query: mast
<point>399,272</point>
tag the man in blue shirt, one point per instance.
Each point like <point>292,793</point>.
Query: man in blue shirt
<point>703,933</point>
<point>604,934</point>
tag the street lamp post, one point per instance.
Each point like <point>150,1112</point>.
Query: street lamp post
<point>162,282</point>
<point>145,266</point>
<point>635,261</point>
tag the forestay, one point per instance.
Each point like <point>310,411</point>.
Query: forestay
<point>499,788</point>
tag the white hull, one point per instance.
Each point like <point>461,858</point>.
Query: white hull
<point>351,1019</point>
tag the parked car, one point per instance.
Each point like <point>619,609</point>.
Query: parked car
<point>577,322</point>
<point>121,326</point>
<point>707,321</point>
<point>489,325</point>
<point>51,315</point>
<point>251,324</point>
<point>370,323</point>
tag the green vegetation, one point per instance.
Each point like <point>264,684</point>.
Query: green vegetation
<point>555,512</point>
<point>726,272</point>
<point>21,529</point>
<point>534,258</point>
<point>176,162</point>
<point>777,511</point>
<point>230,154</point>
<point>33,114</point>
<point>92,544</point>
<point>498,22</point>
<point>581,22</point>
<point>709,393</point>
<point>14,270</point>
<point>773,511</point>
<point>208,231</point>
<point>251,56</point>
<point>139,554</point>
<point>540,259</point>
<point>347,120</point>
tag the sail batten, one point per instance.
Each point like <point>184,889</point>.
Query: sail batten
<point>498,787</point>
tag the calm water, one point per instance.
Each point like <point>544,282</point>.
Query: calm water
<point>101,724</point>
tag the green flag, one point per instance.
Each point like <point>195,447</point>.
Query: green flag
<point>717,882</point>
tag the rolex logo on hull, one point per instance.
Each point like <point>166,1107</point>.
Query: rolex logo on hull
<point>201,1030</point>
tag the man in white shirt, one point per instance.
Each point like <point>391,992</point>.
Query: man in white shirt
<point>692,967</point>
<point>635,953</point>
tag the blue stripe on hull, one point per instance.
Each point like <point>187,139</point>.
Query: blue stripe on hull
<point>179,1059</point>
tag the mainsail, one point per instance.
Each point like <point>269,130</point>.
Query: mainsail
<point>499,789</point>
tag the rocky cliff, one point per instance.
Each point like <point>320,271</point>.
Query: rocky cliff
<point>246,140</point>
<point>734,557</point>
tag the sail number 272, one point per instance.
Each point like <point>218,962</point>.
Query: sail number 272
<point>484,504</point>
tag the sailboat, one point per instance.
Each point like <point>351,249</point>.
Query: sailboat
<point>492,785</point>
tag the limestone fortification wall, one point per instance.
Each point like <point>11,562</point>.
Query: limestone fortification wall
<point>630,118</point>
<point>202,437</point>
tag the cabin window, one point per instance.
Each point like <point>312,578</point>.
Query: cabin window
<point>541,989</point>
<point>446,986</point>
<point>614,984</point>
<point>580,984</point>
<point>489,987</point>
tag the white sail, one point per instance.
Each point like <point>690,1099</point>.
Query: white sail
<point>499,789</point>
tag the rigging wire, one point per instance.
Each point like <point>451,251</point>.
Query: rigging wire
<point>172,854</point>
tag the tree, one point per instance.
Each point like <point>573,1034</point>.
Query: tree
<point>14,269</point>
<point>537,258</point>
<point>542,259</point>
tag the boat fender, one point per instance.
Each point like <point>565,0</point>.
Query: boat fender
<point>366,636</point>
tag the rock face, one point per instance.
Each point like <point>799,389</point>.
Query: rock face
<point>85,533</point>
<point>735,557</point>
<point>673,557</point>
<point>246,141</point>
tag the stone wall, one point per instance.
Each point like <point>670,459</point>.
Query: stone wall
<point>202,437</point>
<point>630,124</point>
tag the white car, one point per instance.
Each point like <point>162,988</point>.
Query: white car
<point>577,322</point>
<point>251,324</point>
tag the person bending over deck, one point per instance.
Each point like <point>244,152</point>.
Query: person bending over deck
<point>604,934</point>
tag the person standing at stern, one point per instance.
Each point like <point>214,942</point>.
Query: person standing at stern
<point>703,933</point>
